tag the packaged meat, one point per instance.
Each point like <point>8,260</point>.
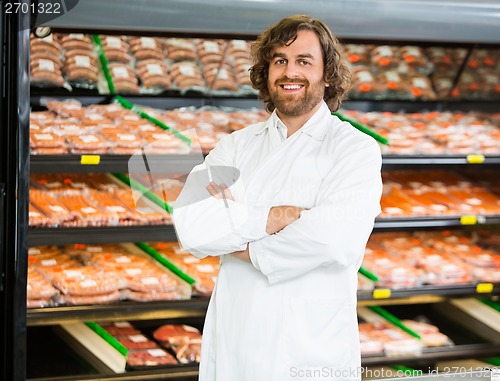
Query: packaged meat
<point>364,83</point>
<point>384,57</point>
<point>149,357</point>
<point>38,219</point>
<point>179,49</point>
<point>135,342</point>
<point>88,213</point>
<point>53,208</point>
<point>106,298</point>
<point>120,328</point>
<point>415,59</point>
<point>184,340</point>
<point>124,215</point>
<point>38,286</point>
<point>357,54</point>
<point>430,335</point>
<point>140,296</point>
<point>85,280</point>
<point>204,271</point>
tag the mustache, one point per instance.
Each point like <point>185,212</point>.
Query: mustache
<point>287,80</point>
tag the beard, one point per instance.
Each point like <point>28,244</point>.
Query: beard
<point>294,105</point>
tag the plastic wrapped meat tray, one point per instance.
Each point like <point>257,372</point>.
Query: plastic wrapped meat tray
<point>184,340</point>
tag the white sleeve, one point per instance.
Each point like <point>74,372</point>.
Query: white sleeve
<point>206,226</point>
<point>335,231</point>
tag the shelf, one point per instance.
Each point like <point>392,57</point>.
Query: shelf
<point>180,373</point>
<point>196,307</point>
<point>170,164</point>
<point>426,294</point>
<point>384,224</point>
<point>473,22</point>
<point>435,354</point>
<point>104,234</point>
<point>389,161</point>
<point>126,310</point>
<point>181,164</point>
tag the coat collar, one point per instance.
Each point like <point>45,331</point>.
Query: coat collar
<point>314,127</point>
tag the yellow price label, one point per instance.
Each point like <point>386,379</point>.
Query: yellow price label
<point>484,288</point>
<point>468,220</point>
<point>475,159</point>
<point>382,293</point>
<point>90,159</point>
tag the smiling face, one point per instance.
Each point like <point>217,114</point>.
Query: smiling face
<point>296,76</point>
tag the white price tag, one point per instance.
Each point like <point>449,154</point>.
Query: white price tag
<point>116,209</point>
<point>154,69</point>
<point>77,36</point>
<point>48,262</point>
<point>148,42</point>
<point>419,82</point>
<point>239,44</point>
<point>138,338</point>
<point>88,210</point>
<point>205,268</point>
<point>157,352</point>
<point>120,72</point>
<point>113,42</point>
<point>88,283</point>
<point>188,328</point>
<point>384,51</point>
<point>72,273</point>
<point>392,76</point>
<point>57,208</point>
<point>127,137</point>
<point>191,259</point>
<point>82,61</point>
<point>187,70</point>
<point>133,272</point>
<point>55,184</point>
<point>46,65</point>
<point>89,139</point>
<point>365,76</point>
<point>223,74</point>
<point>211,47</point>
<point>122,324</point>
<point>123,259</point>
<point>44,137</point>
<point>150,281</point>
<point>162,137</point>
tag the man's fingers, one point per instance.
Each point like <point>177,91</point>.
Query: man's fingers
<point>227,193</point>
<point>212,189</point>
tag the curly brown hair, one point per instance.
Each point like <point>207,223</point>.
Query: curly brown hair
<point>336,70</point>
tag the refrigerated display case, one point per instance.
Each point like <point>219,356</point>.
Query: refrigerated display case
<point>472,24</point>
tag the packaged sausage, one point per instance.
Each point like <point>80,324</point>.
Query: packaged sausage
<point>85,280</point>
<point>384,57</point>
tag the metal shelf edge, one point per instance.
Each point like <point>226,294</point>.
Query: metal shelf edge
<point>104,234</point>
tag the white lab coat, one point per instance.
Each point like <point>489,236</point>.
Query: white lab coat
<point>291,313</point>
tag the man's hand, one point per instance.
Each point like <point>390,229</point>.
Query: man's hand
<point>243,255</point>
<point>219,191</point>
<point>281,216</point>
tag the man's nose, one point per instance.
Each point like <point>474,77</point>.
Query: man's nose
<point>291,70</point>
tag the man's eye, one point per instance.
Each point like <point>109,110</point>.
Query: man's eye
<point>280,62</point>
<point>305,63</point>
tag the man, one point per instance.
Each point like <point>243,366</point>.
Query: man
<point>292,229</point>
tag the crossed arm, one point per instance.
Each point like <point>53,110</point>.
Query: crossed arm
<point>278,218</point>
